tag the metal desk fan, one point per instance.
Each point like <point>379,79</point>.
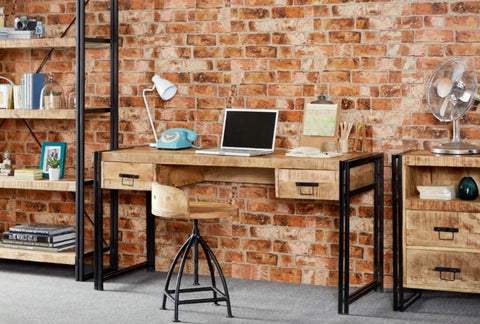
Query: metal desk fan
<point>451,91</point>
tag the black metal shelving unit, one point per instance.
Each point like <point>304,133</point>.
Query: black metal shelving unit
<point>82,41</point>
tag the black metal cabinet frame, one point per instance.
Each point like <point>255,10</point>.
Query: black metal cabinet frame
<point>80,256</point>
<point>400,301</point>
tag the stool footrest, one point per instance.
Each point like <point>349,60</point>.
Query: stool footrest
<point>221,296</point>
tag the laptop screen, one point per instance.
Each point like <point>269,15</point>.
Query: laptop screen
<point>249,129</point>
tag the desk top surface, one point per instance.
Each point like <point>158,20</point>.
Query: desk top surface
<point>145,154</point>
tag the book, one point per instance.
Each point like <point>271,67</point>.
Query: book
<point>39,228</point>
<point>437,191</point>
<point>44,244</point>
<point>17,97</point>
<point>41,238</point>
<point>28,174</point>
<point>33,84</point>
<point>12,33</point>
<point>38,248</point>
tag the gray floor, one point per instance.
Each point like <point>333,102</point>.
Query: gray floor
<point>37,293</point>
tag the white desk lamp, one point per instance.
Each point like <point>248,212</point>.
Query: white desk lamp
<point>166,91</point>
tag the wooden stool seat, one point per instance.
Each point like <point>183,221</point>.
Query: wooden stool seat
<point>171,202</point>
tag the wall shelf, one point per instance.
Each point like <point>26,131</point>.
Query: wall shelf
<point>74,183</point>
<point>37,114</point>
<point>64,257</point>
<point>68,184</point>
<point>67,42</point>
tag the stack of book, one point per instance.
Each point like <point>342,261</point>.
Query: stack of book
<point>12,33</point>
<point>44,237</point>
<point>28,174</point>
<point>437,191</point>
<point>31,89</point>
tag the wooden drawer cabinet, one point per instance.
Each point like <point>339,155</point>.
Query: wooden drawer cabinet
<point>436,242</point>
<point>124,175</point>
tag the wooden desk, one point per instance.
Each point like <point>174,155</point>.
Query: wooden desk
<point>333,179</point>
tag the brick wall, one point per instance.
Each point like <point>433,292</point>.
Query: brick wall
<point>373,58</point>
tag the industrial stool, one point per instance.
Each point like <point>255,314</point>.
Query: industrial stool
<point>171,202</point>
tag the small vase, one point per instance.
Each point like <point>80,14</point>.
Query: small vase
<point>467,189</point>
<point>53,174</point>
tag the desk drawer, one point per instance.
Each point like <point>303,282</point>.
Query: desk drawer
<point>306,184</point>
<point>442,270</point>
<point>123,175</point>
<point>442,229</point>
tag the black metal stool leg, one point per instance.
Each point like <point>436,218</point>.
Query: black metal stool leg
<point>210,268</point>
<point>220,273</point>
<point>179,280</point>
<point>195,252</point>
<point>172,268</point>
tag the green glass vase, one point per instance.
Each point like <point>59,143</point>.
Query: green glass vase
<point>467,189</point>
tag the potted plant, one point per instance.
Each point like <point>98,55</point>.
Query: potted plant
<point>53,169</point>
<point>53,99</point>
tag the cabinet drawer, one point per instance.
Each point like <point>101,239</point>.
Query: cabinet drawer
<point>442,270</point>
<point>306,184</point>
<point>442,229</point>
<point>122,175</point>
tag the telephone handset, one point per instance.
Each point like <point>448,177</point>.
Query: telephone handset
<point>176,138</point>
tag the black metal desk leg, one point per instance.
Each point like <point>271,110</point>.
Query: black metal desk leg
<point>150,224</point>
<point>344,243</point>
<point>98,226</point>
<point>378,223</point>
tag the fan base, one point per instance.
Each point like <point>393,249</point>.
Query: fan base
<point>456,148</point>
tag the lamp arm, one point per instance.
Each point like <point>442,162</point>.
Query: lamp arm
<point>148,112</point>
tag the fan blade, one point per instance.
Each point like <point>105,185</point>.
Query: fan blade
<point>443,108</point>
<point>444,87</point>
<point>465,97</point>
<point>458,71</point>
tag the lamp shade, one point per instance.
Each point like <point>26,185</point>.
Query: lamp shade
<point>165,88</point>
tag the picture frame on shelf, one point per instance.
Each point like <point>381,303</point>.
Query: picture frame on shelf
<point>4,96</point>
<point>53,150</point>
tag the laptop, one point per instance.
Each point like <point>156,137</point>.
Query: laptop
<point>247,132</point>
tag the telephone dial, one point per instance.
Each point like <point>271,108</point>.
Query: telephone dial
<point>176,138</point>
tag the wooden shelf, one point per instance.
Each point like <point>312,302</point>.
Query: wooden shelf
<point>63,257</point>
<point>37,114</point>
<point>68,42</point>
<point>65,184</point>
<point>468,206</point>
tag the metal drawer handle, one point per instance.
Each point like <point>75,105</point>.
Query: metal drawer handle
<point>446,269</point>
<point>128,179</point>
<point>451,230</point>
<point>306,188</point>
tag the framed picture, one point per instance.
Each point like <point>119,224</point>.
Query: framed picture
<point>53,151</point>
<point>4,95</point>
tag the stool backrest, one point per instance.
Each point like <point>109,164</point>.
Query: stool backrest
<point>168,201</point>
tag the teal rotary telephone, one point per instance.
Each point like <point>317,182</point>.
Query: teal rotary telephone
<point>176,138</point>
